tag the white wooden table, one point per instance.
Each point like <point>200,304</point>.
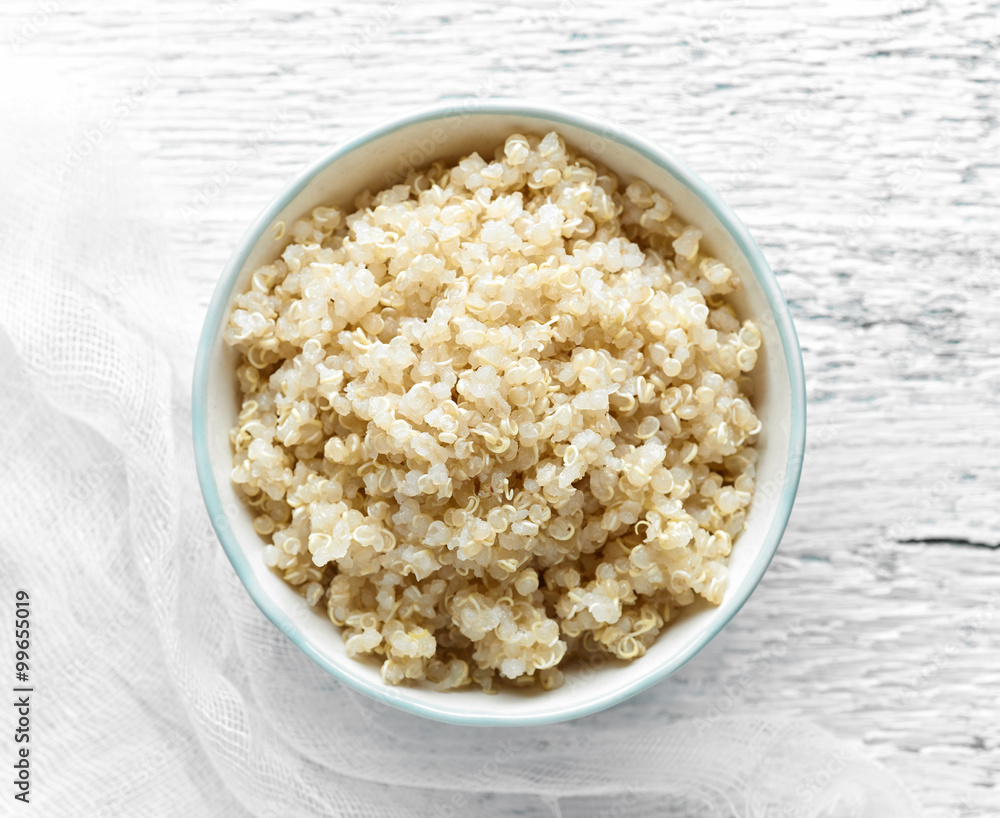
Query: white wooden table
<point>859,141</point>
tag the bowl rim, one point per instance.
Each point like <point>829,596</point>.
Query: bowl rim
<point>604,129</point>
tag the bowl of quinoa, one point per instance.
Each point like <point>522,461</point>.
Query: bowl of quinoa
<point>499,413</point>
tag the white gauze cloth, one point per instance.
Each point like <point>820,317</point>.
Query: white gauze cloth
<point>160,689</point>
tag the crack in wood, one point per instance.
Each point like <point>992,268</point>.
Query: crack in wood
<point>959,542</point>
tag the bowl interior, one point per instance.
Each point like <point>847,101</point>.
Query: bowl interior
<point>375,162</point>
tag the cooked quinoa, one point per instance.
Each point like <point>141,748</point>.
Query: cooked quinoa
<point>496,417</point>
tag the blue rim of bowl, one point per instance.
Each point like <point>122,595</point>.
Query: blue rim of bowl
<point>762,272</point>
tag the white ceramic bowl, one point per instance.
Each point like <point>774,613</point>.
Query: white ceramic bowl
<point>383,156</point>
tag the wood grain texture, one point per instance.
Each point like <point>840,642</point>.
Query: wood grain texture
<point>858,141</point>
